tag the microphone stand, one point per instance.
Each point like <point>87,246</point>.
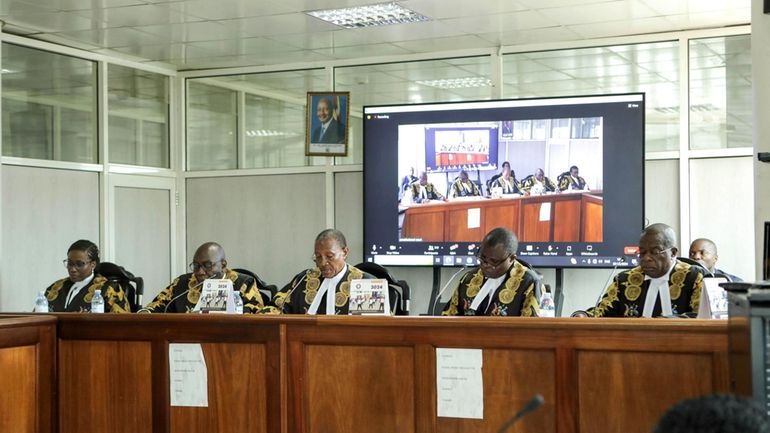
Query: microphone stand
<point>432,311</point>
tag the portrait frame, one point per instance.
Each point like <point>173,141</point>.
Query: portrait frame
<point>333,140</point>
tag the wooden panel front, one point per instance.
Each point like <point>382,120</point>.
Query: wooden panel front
<point>236,392</point>
<point>502,214</point>
<point>27,373</point>
<point>424,222</point>
<point>593,219</point>
<point>566,225</point>
<point>629,391</point>
<point>352,389</point>
<point>104,386</point>
<point>457,229</point>
<point>510,379</point>
<point>533,228</point>
<point>18,384</point>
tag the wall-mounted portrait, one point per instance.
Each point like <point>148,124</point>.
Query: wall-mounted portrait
<point>326,133</point>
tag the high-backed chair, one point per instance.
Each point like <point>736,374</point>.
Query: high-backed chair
<point>267,290</point>
<point>400,287</point>
<point>132,285</point>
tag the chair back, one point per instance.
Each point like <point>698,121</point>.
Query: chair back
<point>131,284</point>
<point>401,287</point>
<point>266,290</point>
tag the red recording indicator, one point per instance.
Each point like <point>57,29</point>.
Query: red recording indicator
<point>631,250</point>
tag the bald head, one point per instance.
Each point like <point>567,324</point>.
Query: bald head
<point>209,261</point>
<point>211,251</point>
<point>664,231</point>
<point>657,250</point>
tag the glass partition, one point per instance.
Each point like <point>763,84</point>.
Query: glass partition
<point>720,92</point>
<point>460,79</point>
<point>138,117</point>
<point>652,68</point>
<point>49,105</point>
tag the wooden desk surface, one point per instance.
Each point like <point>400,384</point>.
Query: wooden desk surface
<point>571,217</point>
<point>377,374</point>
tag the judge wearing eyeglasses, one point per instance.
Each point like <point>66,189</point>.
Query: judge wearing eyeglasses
<point>324,288</point>
<point>500,285</point>
<point>73,294</point>
<point>208,263</point>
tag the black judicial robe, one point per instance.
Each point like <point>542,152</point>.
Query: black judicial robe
<point>464,189</point>
<point>430,192</point>
<point>185,302</point>
<point>530,182</point>
<point>296,297</point>
<point>115,300</point>
<point>516,296</point>
<point>512,187</point>
<point>565,182</point>
<point>626,295</point>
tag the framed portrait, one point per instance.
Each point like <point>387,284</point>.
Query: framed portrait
<point>326,124</point>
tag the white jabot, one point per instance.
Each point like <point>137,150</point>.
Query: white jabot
<point>487,291</point>
<point>77,287</point>
<point>423,192</point>
<point>328,288</point>
<point>658,288</point>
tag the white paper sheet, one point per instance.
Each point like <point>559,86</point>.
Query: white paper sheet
<point>474,218</point>
<point>545,211</point>
<point>713,299</point>
<point>187,375</point>
<point>459,386</point>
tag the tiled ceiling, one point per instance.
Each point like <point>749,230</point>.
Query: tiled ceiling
<point>197,34</point>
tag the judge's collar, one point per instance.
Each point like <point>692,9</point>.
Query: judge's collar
<point>663,277</point>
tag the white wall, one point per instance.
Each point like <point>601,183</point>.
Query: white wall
<point>760,64</point>
<point>266,224</point>
<point>44,212</point>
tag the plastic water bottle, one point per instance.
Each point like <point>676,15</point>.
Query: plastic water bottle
<point>238,302</point>
<point>41,303</point>
<point>97,302</point>
<point>547,308</point>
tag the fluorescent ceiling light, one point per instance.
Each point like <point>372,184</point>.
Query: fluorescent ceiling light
<point>381,14</point>
<point>457,83</point>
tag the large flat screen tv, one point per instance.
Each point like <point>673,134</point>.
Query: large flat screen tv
<point>574,194</point>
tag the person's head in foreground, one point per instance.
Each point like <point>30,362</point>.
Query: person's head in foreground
<point>717,413</point>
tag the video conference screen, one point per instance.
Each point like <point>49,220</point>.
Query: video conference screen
<point>565,174</point>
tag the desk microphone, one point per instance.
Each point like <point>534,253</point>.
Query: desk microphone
<point>288,294</point>
<point>432,311</point>
<point>535,402</point>
<point>615,268</point>
<point>215,276</point>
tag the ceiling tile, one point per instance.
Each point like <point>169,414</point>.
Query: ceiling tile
<point>52,21</point>
<point>600,12</point>
<point>113,37</point>
<point>362,51</point>
<point>74,5</point>
<point>668,7</point>
<point>279,25</point>
<point>500,23</point>
<point>191,32</point>
<point>144,15</point>
<point>622,27</point>
<point>460,8</point>
<point>444,44</point>
<point>531,36</point>
<point>226,10</point>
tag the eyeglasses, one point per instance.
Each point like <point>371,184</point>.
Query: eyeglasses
<point>653,252</point>
<point>206,266</point>
<point>329,257</point>
<point>77,265</point>
<point>491,263</point>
